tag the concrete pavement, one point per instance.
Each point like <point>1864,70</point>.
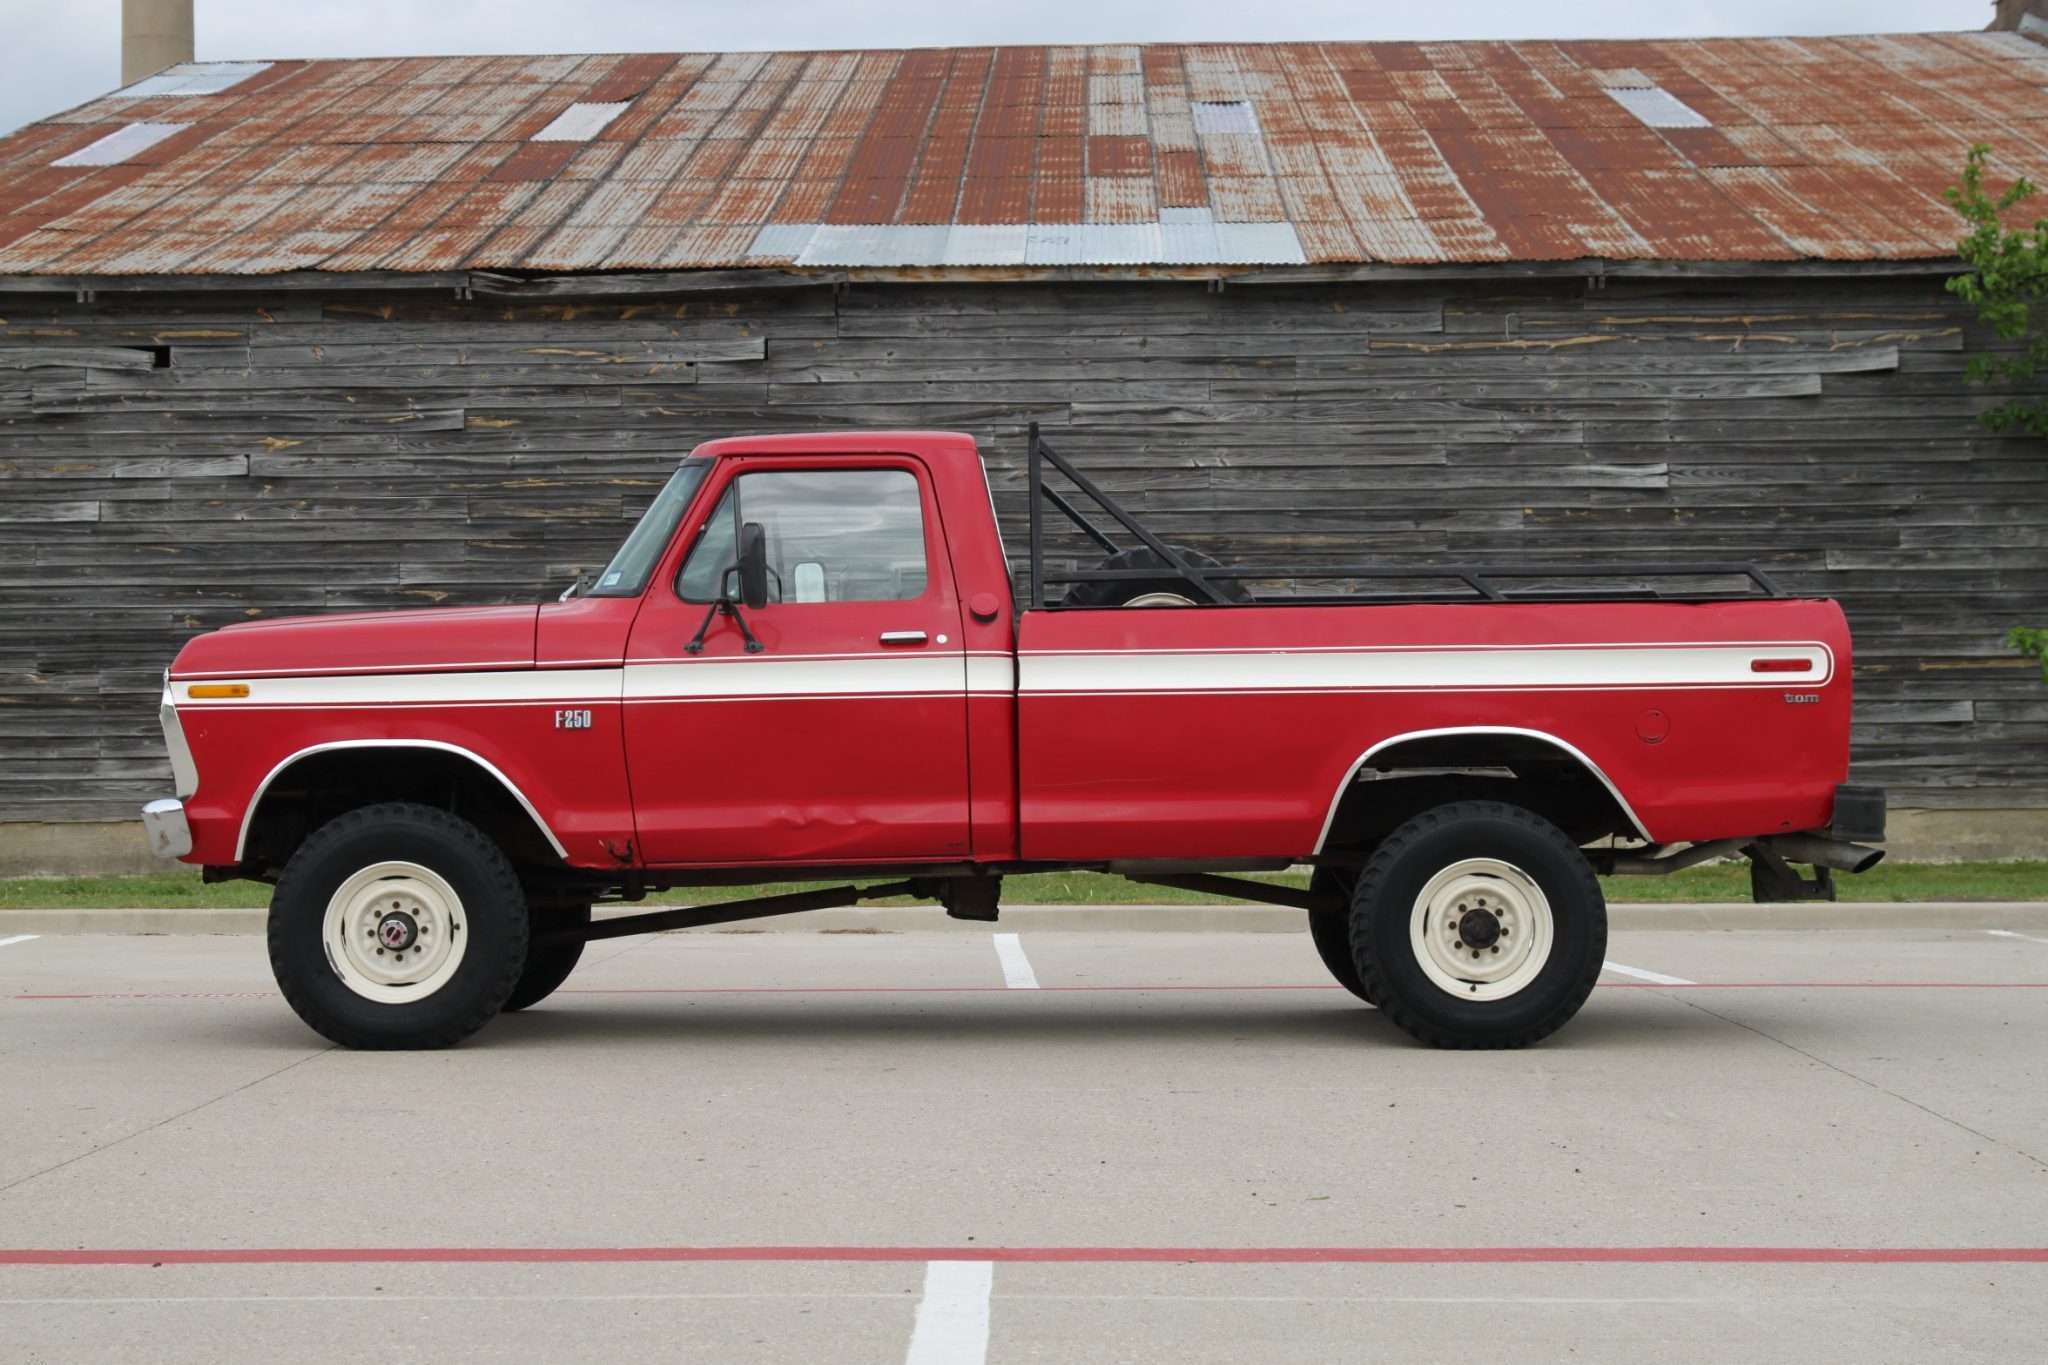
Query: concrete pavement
<point>845,1108</point>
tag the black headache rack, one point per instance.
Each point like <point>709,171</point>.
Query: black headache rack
<point>1457,582</point>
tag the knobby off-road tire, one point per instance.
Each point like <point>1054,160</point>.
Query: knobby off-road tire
<point>1478,925</point>
<point>1330,930</point>
<point>397,926</point>
<point>548,964</point>
<point>1168,590</point>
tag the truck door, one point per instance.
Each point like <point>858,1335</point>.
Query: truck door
<point>843,738</point>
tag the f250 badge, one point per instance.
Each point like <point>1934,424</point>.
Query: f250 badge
<point>580,720</point>
<point>1791,699</point>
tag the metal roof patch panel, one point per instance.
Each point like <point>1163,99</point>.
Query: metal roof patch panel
<point>1657,107</point>
<point>191,78</point>
<point>580,122</point>
<point>117,146</point>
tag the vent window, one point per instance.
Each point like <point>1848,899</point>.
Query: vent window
<point>192,78</point>
<point>580,122</point>
<point>117,146</point>
<point>1224,116</point>
<point>1658,107</point>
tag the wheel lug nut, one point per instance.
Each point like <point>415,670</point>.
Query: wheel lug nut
<point>1496,947</point>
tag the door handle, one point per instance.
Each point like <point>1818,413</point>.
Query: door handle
<point>903,637</point>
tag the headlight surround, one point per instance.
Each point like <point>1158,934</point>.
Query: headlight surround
<point>184,772</point>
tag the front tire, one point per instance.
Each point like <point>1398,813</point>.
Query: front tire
<point>1330,930</point>
<point>397,926</point>
<point>1478,925</point>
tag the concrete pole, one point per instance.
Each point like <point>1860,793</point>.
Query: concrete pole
<point>154,34</point>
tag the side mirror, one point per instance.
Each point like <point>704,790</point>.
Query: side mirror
<point>753,566</point>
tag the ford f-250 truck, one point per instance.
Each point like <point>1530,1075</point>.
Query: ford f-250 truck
<point>806,663</point>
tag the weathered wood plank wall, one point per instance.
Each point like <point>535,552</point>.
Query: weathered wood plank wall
<point>305,453</point>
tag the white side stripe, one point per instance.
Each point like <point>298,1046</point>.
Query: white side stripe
<point>952,1318</point>
<point>889,673</point>
<point>1017,973</point>
<point>986,673</point>
<point>930,674</point>
<point>1118,672</point>
<point>1384,670</point>
<point>18,938</point>
<point>419,689</point>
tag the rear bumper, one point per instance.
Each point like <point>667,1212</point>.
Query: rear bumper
<point>169,834</point>
<point>1859,813</point>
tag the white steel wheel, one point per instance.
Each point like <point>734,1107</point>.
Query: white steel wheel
<point>1160,599</point>
<point>1481,929</point>
<point>395,932</point>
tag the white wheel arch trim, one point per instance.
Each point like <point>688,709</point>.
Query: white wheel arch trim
<point>256,799</point>
<point>1572,751</point>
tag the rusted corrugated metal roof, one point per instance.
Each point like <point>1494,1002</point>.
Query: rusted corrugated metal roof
<point>1774,149</point>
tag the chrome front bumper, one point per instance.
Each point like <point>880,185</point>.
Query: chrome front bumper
<point>169,835</point>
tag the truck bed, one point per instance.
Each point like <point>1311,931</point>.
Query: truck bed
<point>1199,733</point>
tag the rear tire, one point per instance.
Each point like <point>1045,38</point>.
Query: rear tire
<point>397,926</point>
<point>548,964</point>
<point>1478,925</point>
<point>1330,930</point>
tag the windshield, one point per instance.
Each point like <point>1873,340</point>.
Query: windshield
<point>627,574</point>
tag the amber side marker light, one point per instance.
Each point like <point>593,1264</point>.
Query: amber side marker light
<point>209,691</point>
<point>1755,666</point>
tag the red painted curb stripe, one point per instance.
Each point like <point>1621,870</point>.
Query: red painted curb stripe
<point>1208,1255</point>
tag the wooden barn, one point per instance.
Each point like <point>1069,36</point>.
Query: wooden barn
<point>305,336</point>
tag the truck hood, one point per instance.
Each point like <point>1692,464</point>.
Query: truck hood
<point>432,639</point>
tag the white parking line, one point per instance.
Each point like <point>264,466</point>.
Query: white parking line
<point>1642,975</point>
<point>1017,973</point>
<point>18,938</point>
<point>2008,933</point>
<point>952,1318</point>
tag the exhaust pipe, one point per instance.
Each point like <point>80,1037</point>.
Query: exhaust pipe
<point>1662,865</point>
<point>1823,851</point>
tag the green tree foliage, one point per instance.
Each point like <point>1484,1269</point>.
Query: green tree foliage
<point>2032,643</point>
<point>2007,283</point>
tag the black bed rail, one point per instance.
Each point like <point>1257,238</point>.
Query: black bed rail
<point>1462,582</point>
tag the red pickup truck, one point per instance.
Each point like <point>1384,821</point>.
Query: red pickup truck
<point>806,662</point>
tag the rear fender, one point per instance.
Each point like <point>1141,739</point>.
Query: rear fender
<point>1468,747</point>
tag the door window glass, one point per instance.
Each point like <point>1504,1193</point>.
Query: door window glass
<point>833,535</point>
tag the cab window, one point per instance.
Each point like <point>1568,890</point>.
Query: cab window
<point>833,535</point>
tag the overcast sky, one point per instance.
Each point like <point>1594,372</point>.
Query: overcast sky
<point>58,53</point>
